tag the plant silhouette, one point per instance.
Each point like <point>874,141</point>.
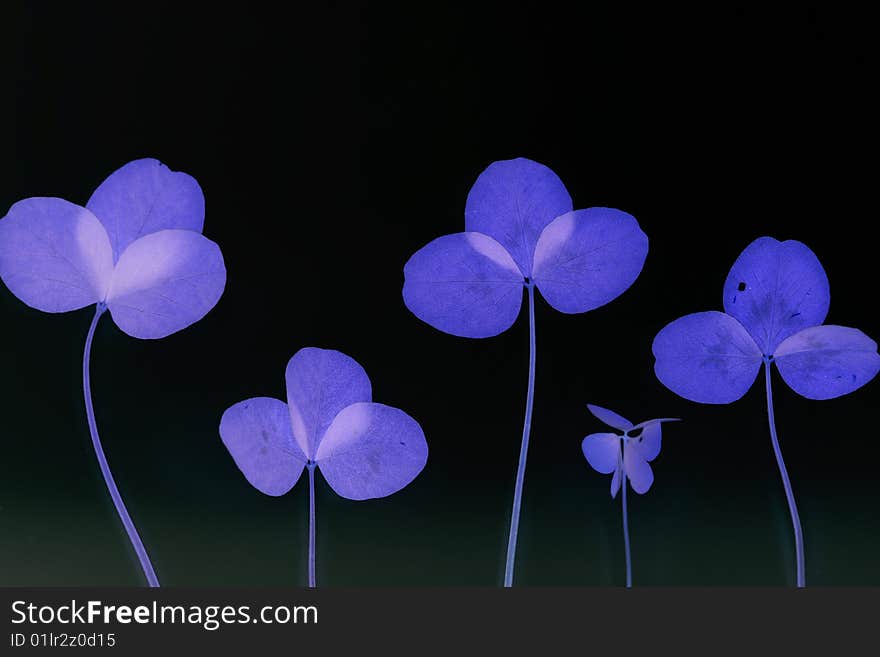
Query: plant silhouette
<point>627,455</point>
<point>364,450</point>
<point>776,298</point>
<point>135,249</point>
<point>521,233</point>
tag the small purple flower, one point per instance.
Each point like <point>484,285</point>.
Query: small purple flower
<point>135,249</point>
<point>364,450</point>
<point>627,455</point>
<point>522,234</point>
<point>776,298</point>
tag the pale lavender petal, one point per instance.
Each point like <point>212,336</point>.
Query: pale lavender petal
<point>465,284</point>
<point>54,255</point>
<point>824,362</point>
<point>320,383</point>
<point>164,282</point>
<point>706,357</point>
<point>615,480</point>
<point>775,289</point>
<point>587,258</point>
<point>637,470</point>
<point>610,418</point>
<point>602,451</point>
<point>143,197</point>
<point>257,434</point>
<point>371,450</point>
<point>512,201</point>
<point>647,443</point>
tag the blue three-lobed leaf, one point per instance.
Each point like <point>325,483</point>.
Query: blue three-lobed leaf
<point>626,454</point>
<point>776,298</point>
<point>364,450</point>
<point>136,247</point>
<point>520,227</point>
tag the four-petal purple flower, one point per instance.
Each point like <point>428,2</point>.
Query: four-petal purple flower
<point>627,455</point>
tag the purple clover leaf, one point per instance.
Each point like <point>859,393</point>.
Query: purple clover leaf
<point>627,455</point>
<point>521,233</point>
<point>364,450</point>
<point>136,250</point>
<point>776,298</point>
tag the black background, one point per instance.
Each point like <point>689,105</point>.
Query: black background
<point>331,143</point>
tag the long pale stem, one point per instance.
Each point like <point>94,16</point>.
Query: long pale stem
<point>524,447</point>
<point>130,529</point>
<point>625,484</point>
<point>311,468</point>
<point>786,483</point>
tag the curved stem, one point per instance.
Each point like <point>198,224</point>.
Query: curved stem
<point>786,483</point>
<point>130,529</point>
<point>629,582</point>
<point>311,468</point>
<point>524,448</point>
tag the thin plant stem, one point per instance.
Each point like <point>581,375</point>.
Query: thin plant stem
<point>625,485</point>
<point>130,529</point>
<point>524,447</point>
<point>786,483</point>
<point>311,468</point>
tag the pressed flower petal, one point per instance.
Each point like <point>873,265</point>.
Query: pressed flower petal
<point>615,480</point>
<point>55,256</point>
<point>706,357</point>
<point>165,282</point>
<point>610,418</point>
<point>371,450</point>
<point>465,284</point>
<point>143,197</point>
<point>647,444</point>
<point>637,470</point>
<point>257,434</point>
<point>602,451</point>
<point>823,362</point>
<point>512,201</point>
<point>320,383</point>
<point>587,258</point>
<point>775,289</point>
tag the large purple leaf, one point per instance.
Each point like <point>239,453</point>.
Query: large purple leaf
<point>637,470</point>
<point>512,201</point>
<point>602,451</point>
<point>320,383</point>
<point>371,450</point>
<point>823,362</point>
<point>586,258</point>
<point>164,282</point>
<point>775,289</point>
<point>706,357</point>
<point>610,418</point>
<point>54,255</point>
<point>257,434</point>
<point>465,284</point>
<point>143,197</point>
